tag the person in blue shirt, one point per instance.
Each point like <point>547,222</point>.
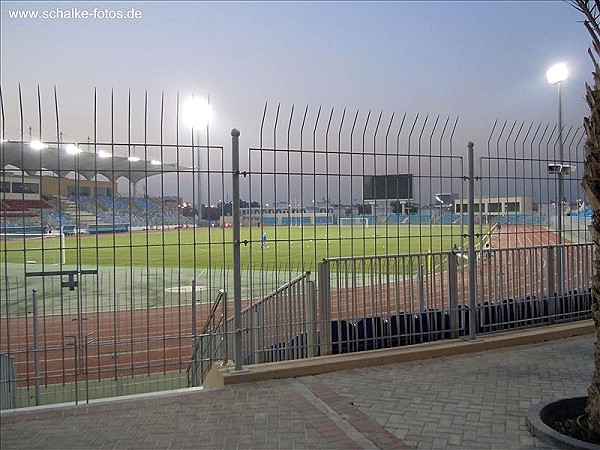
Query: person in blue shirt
<point>264,239</point>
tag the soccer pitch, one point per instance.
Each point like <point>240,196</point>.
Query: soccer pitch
<point>291,247</point>
<point>155,268</point>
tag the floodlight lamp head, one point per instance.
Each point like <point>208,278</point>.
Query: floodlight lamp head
<point>72,149</point>
<point>37,145</point>
<point>197,113</point>
<point>557,73</point>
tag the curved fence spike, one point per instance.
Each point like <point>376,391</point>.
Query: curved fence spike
<point>340,131</point>
<point>315,128</point>
<point>262,124</point>
<point>491,135</point>
<point>327,129</point>
<point>289,128</point>
<point>399,132</point>
<point>275,125</point>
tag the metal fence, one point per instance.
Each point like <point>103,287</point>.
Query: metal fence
<point>339,231</point>
<point>8,382</point>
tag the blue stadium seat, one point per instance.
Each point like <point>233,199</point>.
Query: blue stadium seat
<point>428,326</point>
<point>277,352</point>
<point>447,325</point>
<point>527,311</point>
<point>298,346</point>
<point>464,317</point>
<point>343,336</point>
<point>507,314</point>
<point>400,328</point>
<point>370,333</point>
<point>487,317</point>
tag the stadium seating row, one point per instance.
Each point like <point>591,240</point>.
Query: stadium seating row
<point>135,212</point>
<point>369,333</point>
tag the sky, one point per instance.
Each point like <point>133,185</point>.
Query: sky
<point>478,60</point>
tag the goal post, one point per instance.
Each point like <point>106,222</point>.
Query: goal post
<point>360,221</point>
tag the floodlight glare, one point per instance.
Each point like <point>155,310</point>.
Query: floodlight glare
<point>103,154</point>
<point>197,113</point>
<point>72,149</point>
<point>133,158</point>
<point>557,73</point>
<point>37,145</point>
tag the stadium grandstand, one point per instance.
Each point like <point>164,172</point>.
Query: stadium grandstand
<point>38,192</point>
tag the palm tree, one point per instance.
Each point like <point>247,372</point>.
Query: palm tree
<point>591,184</point>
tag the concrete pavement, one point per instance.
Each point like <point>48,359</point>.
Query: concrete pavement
<point>468,401</point>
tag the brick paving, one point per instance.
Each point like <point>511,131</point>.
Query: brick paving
<point>476,401</point>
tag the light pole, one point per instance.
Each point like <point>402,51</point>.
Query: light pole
<point>556,75</point>
<point>196,114</point>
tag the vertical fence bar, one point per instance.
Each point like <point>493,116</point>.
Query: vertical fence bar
<point>237,270</point>
<point>194,329</point>
<point>36,349</point>
<point>471,225</point>
<point>559,200</point>
<point>324,316</point>
<point>551,293</point>
<point>453,293</point>
<point>225,328</point>
<point>420,276</point>
<point>311,318</point>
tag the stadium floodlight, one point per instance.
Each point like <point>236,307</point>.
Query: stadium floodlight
<point>557,73</point>
<point>103,154</point>
<point>155,162</point>
<point>37,145</point>
<point>197,113</point>
<point>133,158</point>
<point>72,149</point>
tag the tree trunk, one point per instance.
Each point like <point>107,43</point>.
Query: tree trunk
<point>591,184</point>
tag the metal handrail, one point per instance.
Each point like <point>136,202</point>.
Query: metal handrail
<point>192,370</point>
<point>278,291</point>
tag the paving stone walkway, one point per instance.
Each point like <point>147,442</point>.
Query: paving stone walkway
<point>477,401</point>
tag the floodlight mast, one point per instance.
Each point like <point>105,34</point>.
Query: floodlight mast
<point>197,114</point>
<point>556,75</point>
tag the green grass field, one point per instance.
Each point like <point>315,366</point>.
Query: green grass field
<point>210,248</point>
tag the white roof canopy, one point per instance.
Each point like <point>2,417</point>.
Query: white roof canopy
<point>87,164</point>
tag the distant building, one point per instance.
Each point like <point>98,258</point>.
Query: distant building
<point>495,206</point>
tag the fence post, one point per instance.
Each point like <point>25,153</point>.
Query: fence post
<point>237,270</point>
<point>225,330</point>
<point>421,286</point>
<point>36,350</point>
<point>324,307</point>
<point>472,258</point>
<point>552,292</point>
<point>311,328</point>
<point>194,328</point>
<point>255,338</point>
<point>453,293</point>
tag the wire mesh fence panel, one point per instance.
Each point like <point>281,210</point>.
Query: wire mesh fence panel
<point>358,230</point>
<point>114,246</point>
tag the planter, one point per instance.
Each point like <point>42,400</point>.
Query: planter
<point>542,414</point>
